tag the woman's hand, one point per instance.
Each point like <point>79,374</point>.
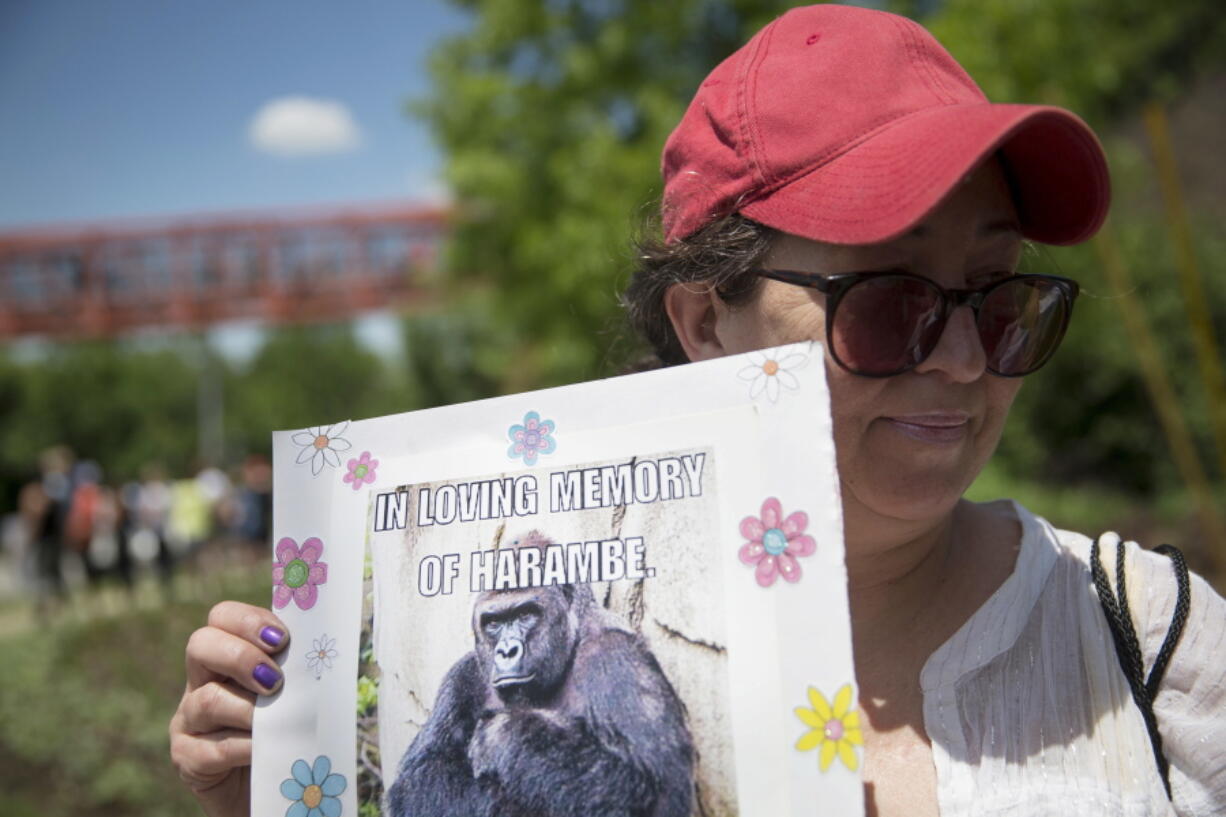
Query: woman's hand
<point>210,735</point>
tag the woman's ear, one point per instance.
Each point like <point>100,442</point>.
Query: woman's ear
<point>694,309</point>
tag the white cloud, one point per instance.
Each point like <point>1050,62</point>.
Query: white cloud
<point>302,126</point>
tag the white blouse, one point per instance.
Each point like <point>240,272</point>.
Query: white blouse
<point>1030,714</point>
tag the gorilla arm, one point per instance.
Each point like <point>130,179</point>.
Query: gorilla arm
<point>617,745</point>
<point>435,779</point>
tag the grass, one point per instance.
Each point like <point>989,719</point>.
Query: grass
<point>86,697</point>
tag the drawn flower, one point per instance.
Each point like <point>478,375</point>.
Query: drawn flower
<point>775,542</point>
<point>321,655</point>
<point>321,445</point>
<point>531,438</point>
<point>361,470</point>
<point>298,573</point>
<point>770,371</point>
<point>836,729</point>
<point>314,790</point>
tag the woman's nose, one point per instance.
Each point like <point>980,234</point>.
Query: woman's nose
<point>959,351</point>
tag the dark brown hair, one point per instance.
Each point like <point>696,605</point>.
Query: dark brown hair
<point>720,256</point>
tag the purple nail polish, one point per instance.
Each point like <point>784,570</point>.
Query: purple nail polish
<point>272,636</point>
<point>266,676</point>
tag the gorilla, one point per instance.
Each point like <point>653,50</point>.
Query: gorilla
<point>558,711</point>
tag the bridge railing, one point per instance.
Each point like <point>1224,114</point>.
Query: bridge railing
<point>193,273</point>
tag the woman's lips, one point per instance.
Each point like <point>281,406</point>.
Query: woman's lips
<point>932,428</point>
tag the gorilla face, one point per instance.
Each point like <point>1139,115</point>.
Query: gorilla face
<point>525,641</point>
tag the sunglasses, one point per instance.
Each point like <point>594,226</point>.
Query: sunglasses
<point>880,324</point>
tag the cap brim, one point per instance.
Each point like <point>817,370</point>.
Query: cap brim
<point>884,185</point>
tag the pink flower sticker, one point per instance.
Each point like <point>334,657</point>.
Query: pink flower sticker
<point>361,471</point>
<point>775,543</point>
<point>297,573</point>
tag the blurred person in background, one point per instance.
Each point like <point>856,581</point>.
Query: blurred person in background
<point>190,518</point>
<point>83,498</point>
<point>34,542</point>
<point>840,178</point>
<point>147,508</point>
<point>245,511</point>
<point>96,526</point>
<point>107,553</point>
<point>255,500</point>
<point>48,524</point>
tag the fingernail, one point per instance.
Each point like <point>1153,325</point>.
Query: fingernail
<point>272,636</point>
<point>266,676</point>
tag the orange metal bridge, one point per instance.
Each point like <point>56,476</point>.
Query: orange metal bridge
<point>192,272</point>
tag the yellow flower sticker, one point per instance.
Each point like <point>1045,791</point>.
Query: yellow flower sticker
<point>835,728</point>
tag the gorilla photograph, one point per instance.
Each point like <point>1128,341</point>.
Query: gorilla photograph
<point>558,710</point>
<point>601,692</point>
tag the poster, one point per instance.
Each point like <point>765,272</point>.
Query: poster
<point>624,597</point>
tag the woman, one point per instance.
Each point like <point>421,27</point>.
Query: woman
<point>840,178</point>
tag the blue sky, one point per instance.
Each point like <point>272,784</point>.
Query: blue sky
<point>128,108</point>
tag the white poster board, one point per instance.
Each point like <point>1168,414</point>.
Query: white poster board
<point>626,596</point>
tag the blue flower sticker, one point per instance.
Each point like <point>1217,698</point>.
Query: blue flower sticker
<point>532,438</point>
<point>314,790</point>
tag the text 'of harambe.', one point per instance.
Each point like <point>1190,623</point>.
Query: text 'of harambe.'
<point>516,568</point>
<point>606,486</point>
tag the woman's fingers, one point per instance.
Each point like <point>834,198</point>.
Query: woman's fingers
<point>214,654</point>
<point>255,624</point>
<point>205,760</point>
<point>217,705</point>
<point>235,644</point>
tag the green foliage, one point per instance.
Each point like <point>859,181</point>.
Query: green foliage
<point>1087,417</point>
<point>84,709</point>
<point>307,375</point>
<point>1102,58</point>
<point>452,356</point>
<point>127,406</point>
<point>123,407</point>
<point>552,115</point>
<point>368,694</point>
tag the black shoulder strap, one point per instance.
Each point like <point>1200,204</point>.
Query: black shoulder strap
<point>1128,648</point>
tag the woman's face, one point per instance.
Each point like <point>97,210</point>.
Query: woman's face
<point>908,446</point>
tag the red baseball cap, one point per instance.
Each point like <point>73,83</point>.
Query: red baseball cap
<point>848,125</point>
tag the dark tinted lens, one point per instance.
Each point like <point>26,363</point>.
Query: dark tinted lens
<point>886,325</point>
<point>1021,323</point>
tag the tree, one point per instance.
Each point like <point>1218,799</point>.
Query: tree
<point>552,114</point>
<point>119,406</point>
<point>306,376</point>
<point>1101,58</point>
